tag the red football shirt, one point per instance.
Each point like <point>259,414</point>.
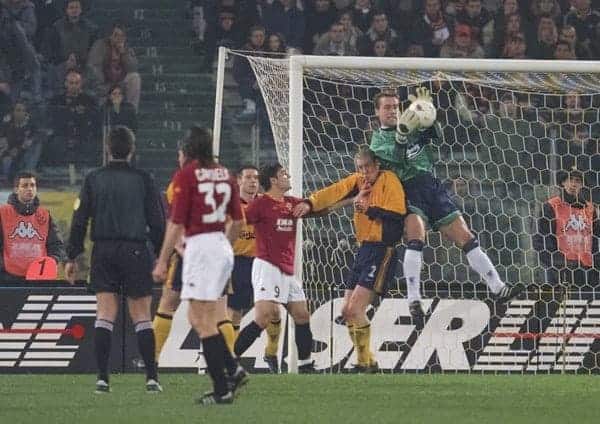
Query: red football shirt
<point>203,197</point>
<point>275,230</point>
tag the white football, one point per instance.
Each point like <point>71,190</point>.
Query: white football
<point>425,111</point>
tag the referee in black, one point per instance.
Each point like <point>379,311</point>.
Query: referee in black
<point>126,210</point>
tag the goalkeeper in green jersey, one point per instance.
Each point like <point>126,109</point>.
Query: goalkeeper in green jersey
<point>404,146</point>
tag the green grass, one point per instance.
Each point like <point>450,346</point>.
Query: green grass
<point>365,399</point>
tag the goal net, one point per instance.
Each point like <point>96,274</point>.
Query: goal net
<point>506,134</point>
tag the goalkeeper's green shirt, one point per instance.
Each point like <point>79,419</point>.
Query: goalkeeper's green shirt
<point>409,157</point>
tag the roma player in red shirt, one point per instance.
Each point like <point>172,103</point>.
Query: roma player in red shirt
<point>204,194</point>
<point>273,278</point>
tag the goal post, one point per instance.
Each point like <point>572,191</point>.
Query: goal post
<point>508,127</point>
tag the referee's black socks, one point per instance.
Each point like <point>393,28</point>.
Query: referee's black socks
<point>102,340</point>
<point>213,348</point>
<point>247,336</point>
<point>146,346</point>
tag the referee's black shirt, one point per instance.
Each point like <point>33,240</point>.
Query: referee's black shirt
<point>123,204</point>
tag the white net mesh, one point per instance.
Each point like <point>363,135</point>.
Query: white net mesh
<point>504,137</point>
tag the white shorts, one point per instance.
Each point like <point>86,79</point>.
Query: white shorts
<point>207,266</point>
<point>269,283</point>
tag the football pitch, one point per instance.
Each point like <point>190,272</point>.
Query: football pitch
<point>366,399</point>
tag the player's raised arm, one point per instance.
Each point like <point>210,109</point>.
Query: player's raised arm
<point>336,195</point>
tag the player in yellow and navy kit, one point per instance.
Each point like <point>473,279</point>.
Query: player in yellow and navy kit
<point>241,299</point>
<point>169,300</point>
<point>379,210</point>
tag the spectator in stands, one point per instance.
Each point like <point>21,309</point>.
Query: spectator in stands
<point>71,35</point>
<point>18,58</point>
<point>462,44</point>
<point>509,8</point>
<point>28,230</point>
<point>568,234</point>
<point>455,7</point>
<point>567,34</point>
<point>381,48</point>
<point>547,37</point>
<point>67,44</point>
<point>318,17</point>
<point>20,143</point>
<point>23,11</point>
<point>334,43</point>
<point>46,13</point>
<point>515,47</point>
<point>276,47</point>
<point>116,111</point>
<point>75,125</point>
<point>111,62</point>
<point>547,9</point>
<point>362,14</point>
<point>380,29</point>
<point>513,27</point>
<point>415,50</point>
<point>431,28</point>
<point>585,20</point>
<point>351,32</point>
<point>243,74</point>
<point>563,51</point>
<point>481,23</point>
<point>283,17</point>
<point>226,34</point>
<point>401,13</point>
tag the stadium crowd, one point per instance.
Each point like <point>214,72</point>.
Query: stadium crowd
<point>511,29</point>
<point>62,79</point>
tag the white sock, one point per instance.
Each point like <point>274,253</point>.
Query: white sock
<point>413,261</point>
<point>481,263</point>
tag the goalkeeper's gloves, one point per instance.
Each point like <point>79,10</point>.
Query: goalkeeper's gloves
<point>408,121</point>
<point>423,93</point>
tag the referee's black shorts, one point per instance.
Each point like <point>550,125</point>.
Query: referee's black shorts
<point>121,267</point>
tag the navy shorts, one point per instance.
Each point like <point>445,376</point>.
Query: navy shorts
<point>121,267</point>
<point>429,199</point>
<point>174,281</point>
<point>242,297</point>
<point>374,267</point>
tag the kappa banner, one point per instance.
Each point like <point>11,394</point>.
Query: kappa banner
<point>460,335</point>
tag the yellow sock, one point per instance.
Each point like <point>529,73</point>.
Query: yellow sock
<point>162,327</point>
<point>236,332</point>
<point>226,329</point>
<point>351,333</point>
<point>273,332</point>
<point>363,344</point>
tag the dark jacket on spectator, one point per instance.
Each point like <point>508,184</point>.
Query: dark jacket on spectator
<point>65,38</point>
<point>24,14</point>
<point>316,23</point>
<point>54,244</point>
<point>75,123</point>
<point>424,31</point>
<point>126,115</point>
<point>587,28</point>
<point>290,23</point>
